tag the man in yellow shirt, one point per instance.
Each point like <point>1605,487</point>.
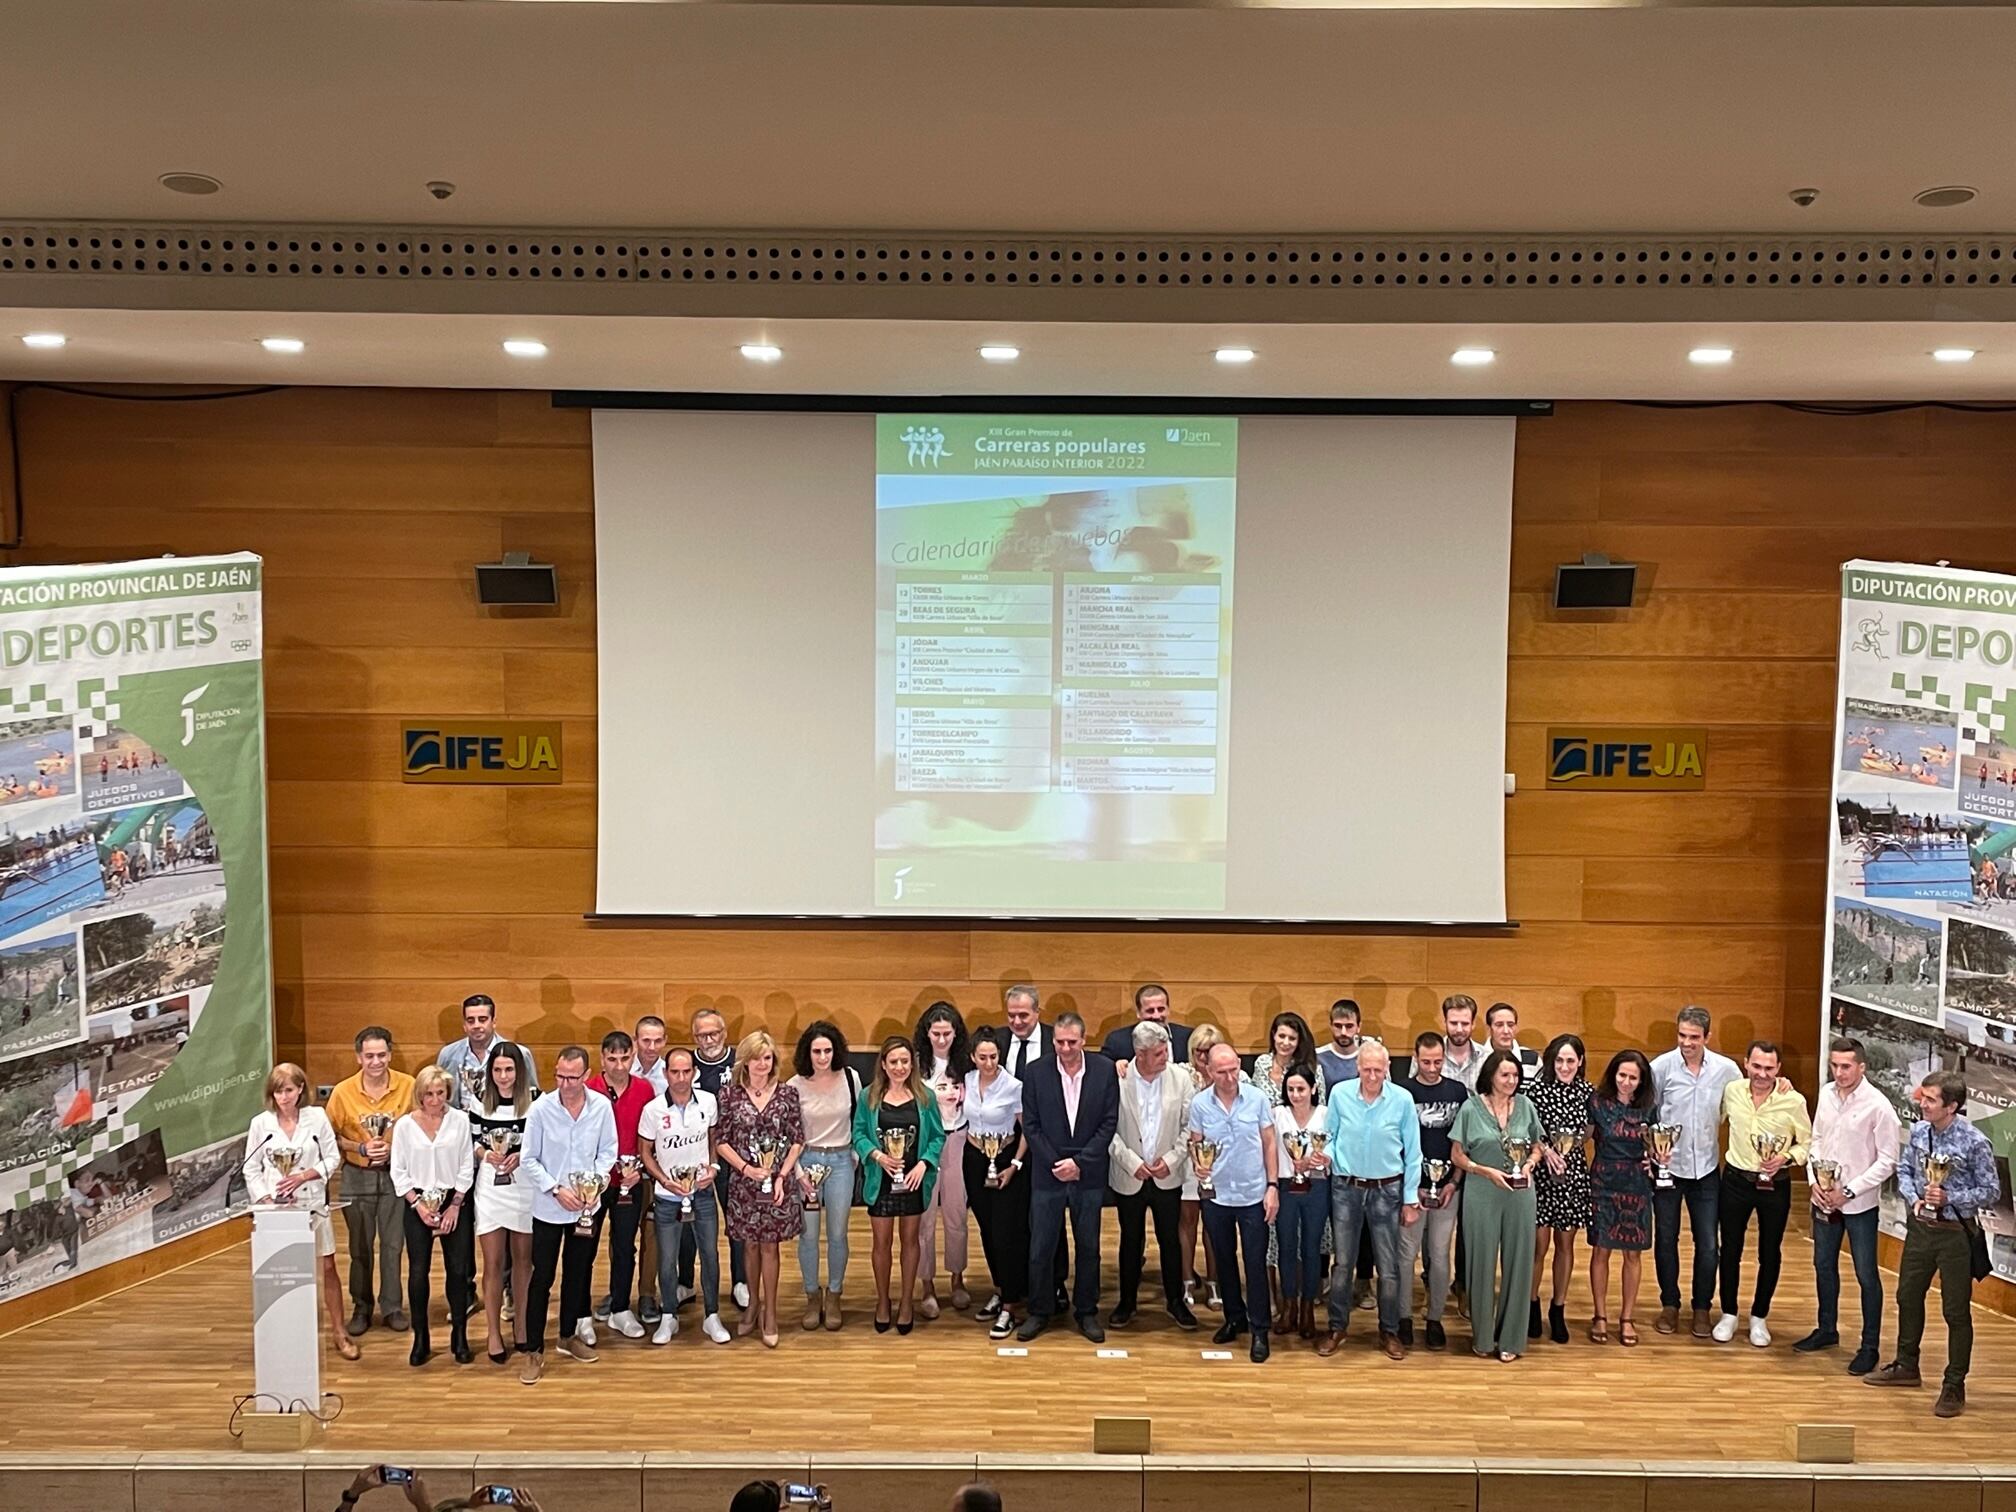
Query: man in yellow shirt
<point>1761,1112</point>
<point>383,1095</point>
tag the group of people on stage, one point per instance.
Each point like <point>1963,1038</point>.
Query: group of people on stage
<point>1320,1175</point>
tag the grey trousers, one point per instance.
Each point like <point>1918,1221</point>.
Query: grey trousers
<point>373,1217</point>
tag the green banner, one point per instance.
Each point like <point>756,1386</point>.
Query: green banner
<point>1061,445</point>
<point>135,974</point>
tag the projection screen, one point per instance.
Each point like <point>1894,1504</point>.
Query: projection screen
<point>1045,666</point>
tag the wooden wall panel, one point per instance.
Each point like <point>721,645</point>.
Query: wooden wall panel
<point>391,902</point>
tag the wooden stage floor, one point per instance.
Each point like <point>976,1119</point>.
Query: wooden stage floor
<point>156,1368</point>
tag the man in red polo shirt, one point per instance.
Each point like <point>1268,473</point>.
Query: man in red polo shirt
<point>629,1194</point>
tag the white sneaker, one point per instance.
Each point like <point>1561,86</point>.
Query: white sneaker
<point>742,1295</point>
<point>668,1325</point>
<point>1760,1334</point>
<point>713,1329</point>
<point>585,1332</point>
<point>1725,1328</point>
<point>626,1324</point>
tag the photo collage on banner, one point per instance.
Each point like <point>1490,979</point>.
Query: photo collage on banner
<point>1921,953</point>
<point>135,980</point>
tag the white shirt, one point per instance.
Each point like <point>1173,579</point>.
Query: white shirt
<point>447,1161</point>
<point>1148,1094</point>
<point>1693,1100</point>
<point>995,1109</point>
<point>314,1145</point>
<point>678,1135</point>
<point>1861,1133</point>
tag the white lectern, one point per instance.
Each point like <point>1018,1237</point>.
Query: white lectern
<point>286,1310</point>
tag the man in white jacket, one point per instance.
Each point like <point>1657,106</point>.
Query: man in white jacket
<point>1150,1156</point>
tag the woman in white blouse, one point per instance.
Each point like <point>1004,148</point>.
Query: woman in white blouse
<point>992,1104</point>
<point>433,1165</point>
<point>293,1134</point>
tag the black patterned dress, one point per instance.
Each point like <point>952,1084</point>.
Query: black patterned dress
<point>1620,1215</point>
<point>1562,1202</point>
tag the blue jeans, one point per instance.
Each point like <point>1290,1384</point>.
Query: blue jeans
<point>703,1227</point>
<point>836,1196</point>
<point>1860,1231</point>
<point>1355,1210</point>
<point>1298,1235</point>
<point>1702,1195</point>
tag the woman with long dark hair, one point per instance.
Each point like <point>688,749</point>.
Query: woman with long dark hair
<point>503,1199</point>
<point>944,1054</point>
<point>828,1091</point>
<point>899,1138</point>
<point>1561,1095</point>
<point>1620,1208</point>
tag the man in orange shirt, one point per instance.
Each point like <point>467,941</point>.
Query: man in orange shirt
<point>381,1095</point>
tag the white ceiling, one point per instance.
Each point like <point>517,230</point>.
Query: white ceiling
<point>1006,118</point>
<point>1813,361</point>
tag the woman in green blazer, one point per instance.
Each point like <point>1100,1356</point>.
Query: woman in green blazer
<point>899,1137</point>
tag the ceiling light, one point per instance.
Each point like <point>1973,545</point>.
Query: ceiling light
<point>1710,356</point>
<point>523,348</point>
<point>189,183</point>
<point>1945,197</point>
<point>1233,356</point>
<point>761,351</point>
<point>1953,354</point>
<point>1473,356</point>
<point>1000,353</point>
<point>44,340</point>
<point>287,344</point>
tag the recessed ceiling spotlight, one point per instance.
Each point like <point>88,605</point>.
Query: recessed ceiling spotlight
<point>1000,353</point>
<point>1233,356</point>
<point>1945,197</point>
<point>1710,356</point>
<point>190,183</point>
<point>521,347</point>
<point>1953,354</point>
<point>44,340</point>
<point>761,351</point>
<point>284,344</point>
<point>1473,356</point>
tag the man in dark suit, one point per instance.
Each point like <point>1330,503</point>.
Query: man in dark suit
<point>1151,1006</point>
<point>1070,1108</point>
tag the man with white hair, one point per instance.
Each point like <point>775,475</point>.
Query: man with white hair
<point>1375,1186</point>
<point>1150,1156</point>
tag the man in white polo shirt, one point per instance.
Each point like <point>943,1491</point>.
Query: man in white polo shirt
<point>675,1133</point>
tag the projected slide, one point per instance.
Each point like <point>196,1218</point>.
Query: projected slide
<point>1053,662</point>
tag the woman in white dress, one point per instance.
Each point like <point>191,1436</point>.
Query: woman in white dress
<point>293,1133</point>
<point>503,1198</point>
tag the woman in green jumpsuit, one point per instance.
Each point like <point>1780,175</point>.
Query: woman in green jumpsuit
<point>1498,1218</point>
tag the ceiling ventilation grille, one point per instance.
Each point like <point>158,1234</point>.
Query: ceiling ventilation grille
<point>1249,263</point>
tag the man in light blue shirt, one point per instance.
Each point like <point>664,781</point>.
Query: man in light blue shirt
<point>1375,1184</point>
<point>1688,1081</point>
<point>1243,1196</point>
<point>568,1133</point>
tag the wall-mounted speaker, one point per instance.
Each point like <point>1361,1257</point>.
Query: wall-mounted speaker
<point>1595,582</point>
<point>517,580</point>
